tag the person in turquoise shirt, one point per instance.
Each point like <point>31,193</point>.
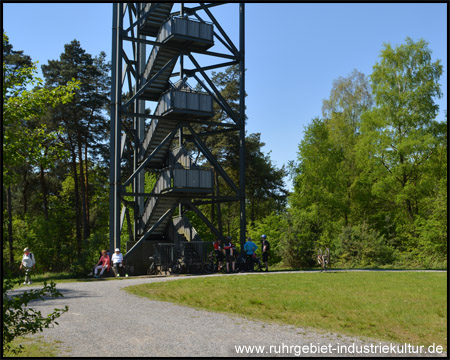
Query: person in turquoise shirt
<point>249,249</point>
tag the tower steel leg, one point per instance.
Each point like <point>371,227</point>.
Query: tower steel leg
<point>242,123</point>
<point>139,123</point>
<point>115,139</point>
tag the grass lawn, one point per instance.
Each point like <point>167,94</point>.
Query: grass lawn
<point>33,347</point>
<point>399,307</point>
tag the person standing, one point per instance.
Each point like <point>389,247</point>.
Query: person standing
<point>103,264</point>
<point>229,255</point>
<point>28,263</point>
<point>219,253</point>
<point>117,260</point>
<point>249,249</point>
<point>265,251</point>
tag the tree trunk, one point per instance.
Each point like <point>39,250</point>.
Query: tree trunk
<point>86,175</point>
<point>44,190</point>
<point>252,211</point>
<point>410,209</point>
<point>84,221</point>
<point>10,234</point>
<point>77,202</point>
<point>24,192</point>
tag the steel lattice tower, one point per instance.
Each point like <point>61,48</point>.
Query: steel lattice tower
<point>149,41</point>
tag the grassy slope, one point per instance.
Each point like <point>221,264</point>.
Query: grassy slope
<point>399,307</point>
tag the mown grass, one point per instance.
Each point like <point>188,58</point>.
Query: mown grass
<point>397,307</point>
<point>34,347</point>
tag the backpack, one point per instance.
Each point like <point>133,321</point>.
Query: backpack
<point>31,257</point>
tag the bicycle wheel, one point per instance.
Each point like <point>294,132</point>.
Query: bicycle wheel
<point>152,270</point>
<point>209,268</point>
<point>175,269</point>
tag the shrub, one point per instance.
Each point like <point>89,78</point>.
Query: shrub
<point>362,246</point>
<point>18,319</point>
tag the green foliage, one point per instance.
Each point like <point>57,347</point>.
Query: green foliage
<point>82,265</point>
<point>19,319</point>
<point>375,172</point>
<point>361,246</point>
<point>21,143</point>
<point>303,231</point>
<point>273,226</point>
<point>401,147</point>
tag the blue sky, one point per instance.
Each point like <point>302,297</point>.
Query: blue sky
<point>294,51</point>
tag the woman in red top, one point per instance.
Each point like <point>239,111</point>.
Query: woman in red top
<point>103,264</point>
<point>219,253</point>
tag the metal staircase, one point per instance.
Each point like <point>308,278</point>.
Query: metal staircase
<point>177,104</point>
<point>158,13</point>
<point>176,34</point>
<point>178,176</point>
<point>182,178</point>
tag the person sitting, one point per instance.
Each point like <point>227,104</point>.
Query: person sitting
<point>103,264</point>
<point>118,263</point>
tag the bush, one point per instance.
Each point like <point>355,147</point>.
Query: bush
<point>360,245</point>
<point>90,254</point>
<point>18,319</point>
<point>297,242</point>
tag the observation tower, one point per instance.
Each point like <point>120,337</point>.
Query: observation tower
<point>162,103</point>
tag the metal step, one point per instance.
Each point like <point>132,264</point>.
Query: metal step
<point>158,58</point>
<point>162,205</point>
<point>179,33</point>
<point>156,133</point>
<point>174,184</point>
<point>159,14</point>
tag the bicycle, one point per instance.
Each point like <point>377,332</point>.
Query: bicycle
<point>323,258</point>
<point>153,268</point>
<point>176,267</point>
<point>257,262</point>
<point>213,264</point>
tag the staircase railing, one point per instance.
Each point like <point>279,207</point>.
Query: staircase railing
<point>180,155</point>
<point>148,68</point>
<point>163,182</point>
<point>149,134</point>
<point>178,178</point>
<point>184,227</point>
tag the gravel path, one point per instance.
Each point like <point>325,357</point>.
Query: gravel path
<point>105,321</point>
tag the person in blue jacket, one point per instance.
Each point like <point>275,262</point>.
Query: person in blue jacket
<point>249,249</point>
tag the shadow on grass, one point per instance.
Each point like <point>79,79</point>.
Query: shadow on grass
<point>66,293</point>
